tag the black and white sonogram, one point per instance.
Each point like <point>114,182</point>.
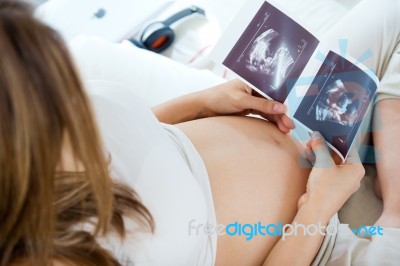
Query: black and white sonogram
<point>337,101</point>
<point>272,52</point>
<point>341,103</point>
<point>268,56</point>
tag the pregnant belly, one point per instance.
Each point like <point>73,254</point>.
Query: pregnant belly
<point>235,133</point>
<point>256,174</point>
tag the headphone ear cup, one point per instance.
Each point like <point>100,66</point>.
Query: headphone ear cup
<point>159,40</point>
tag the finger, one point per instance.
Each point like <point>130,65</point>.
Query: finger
<point>269,117</point>
<point>237,83</point>
<point>323,158</point>
<point>280,118</point>
<point>310,156</point>
<point>286,121</point>
<point>283,129</point>
<point>247,88</point>
<point>282,126</point>
<point>276,120</point>
<point>262,105</point>
<point>256,94</point>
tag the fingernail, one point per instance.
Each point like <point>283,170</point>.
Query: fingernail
<point>278,107</point>
<point>316,135</point>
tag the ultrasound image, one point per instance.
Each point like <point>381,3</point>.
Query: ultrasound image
<point>269,56</point>
<point>336,102</point>
<point>272,52</point>
<point>341,104</point>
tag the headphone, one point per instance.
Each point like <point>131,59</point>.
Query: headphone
<point>158,36</point>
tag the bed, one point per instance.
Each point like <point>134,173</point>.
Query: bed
<point>157,81</point>
<point>186,67</point>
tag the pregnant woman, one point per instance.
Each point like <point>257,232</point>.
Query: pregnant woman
<point>113,186</point>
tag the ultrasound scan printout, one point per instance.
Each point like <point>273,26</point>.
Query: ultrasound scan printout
<point>272,52</point>
<point>337,101</point>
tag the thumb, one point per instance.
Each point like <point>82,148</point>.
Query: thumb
<point>262,105</point>
<point>323,158</point>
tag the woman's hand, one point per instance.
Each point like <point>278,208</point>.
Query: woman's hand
<point>330,185</point>
<point>230,98</point>
<point>236,98</point>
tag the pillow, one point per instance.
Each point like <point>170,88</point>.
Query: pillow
<point>153,77</point>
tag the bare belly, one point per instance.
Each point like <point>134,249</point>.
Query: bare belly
<point>256,174</point>
<point>233,134</point>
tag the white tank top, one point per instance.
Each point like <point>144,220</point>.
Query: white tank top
<point>163,167</point>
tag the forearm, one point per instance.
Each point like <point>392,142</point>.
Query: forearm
<point>181,109</point>
<point>300,249</point>
<point>387,145</point>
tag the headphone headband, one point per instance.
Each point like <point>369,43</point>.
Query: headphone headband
<point>184,13</point>
<point>158,35</point>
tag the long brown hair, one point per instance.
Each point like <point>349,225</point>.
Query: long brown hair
<point>42,100</point>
